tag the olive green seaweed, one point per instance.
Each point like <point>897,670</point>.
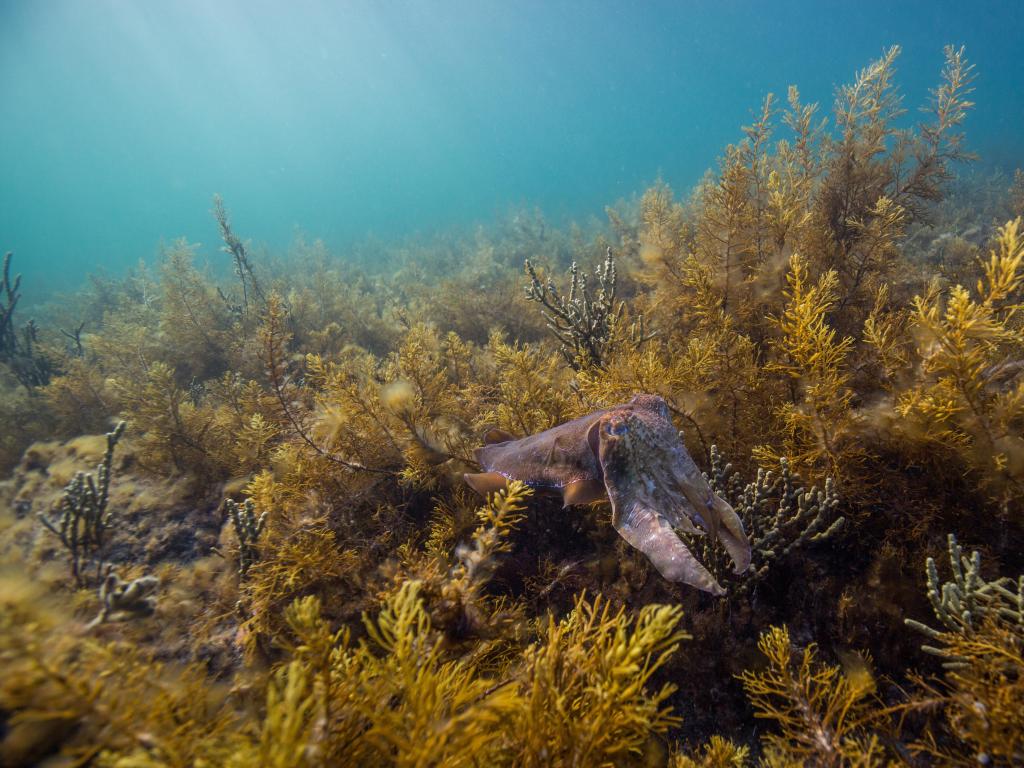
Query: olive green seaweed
<point>20,349</point>
<point>9,296</point>
<point>248,528</point>
<point>252,293</point>
<point>84,515</point>
<point>583,321</point>
<point>966,603</point>
<point>779,515</point>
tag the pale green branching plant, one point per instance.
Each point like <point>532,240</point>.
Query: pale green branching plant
<point>84,516</point>
<point>779,516</point>
<point>248,527</point>
<point>967,602</point>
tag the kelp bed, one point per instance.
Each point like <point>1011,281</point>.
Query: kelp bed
<point>273,560</point>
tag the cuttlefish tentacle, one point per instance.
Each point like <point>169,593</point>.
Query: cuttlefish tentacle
<point>732,536</point>
<point>632,454</point>
<point>720,518</point>
<point>651,533</point>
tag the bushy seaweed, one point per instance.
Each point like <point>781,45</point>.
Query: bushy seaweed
<point>290,570</point>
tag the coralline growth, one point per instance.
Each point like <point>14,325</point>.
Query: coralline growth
<point>84,514</point>
<point>248,527</point>
<point>584,319</point>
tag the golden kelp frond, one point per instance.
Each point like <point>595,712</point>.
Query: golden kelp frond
<point>822,714</point>
<point>254,441</point>
<point>730,390</point>
<point>723,243</point>
<point>717,753</point>
<point>981,699</point>
<point>874,262</point>
<point>648,369</point>
<point>391,700</point>
<point>176,431</point>
<point>126,343</point>
<point>63,691</point>
<point>443,531</point>
<point>275,339</point>
<point>879,178</point>
<point>498,517</point>
<point>818,419</point>
<point>473,305</point>
<point>311,717</point>
<point>664,237</point>
<point>584,685</point>
<point>885,332</point>
<point>293,396</point>
<point>306,562</point>
<point>406,415</point>
<point>332,305</point>
<point>81,399</point>
<point>286,734</point>
<point>429,397</point>
<point>422,708</point>
<point>478,559</point>
<point>797,172</point>
<point>971,394</point>
<point>24,422</point>
<point>1004,273</point>
<point>452,584</point>
<point>194,321</point>
<point>1017,193</point>
<point>352,419</point>
<point>528,389</point>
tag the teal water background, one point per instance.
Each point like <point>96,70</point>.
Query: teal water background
<point>120,119</point>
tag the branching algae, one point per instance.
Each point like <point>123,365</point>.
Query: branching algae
<point>830,308</point>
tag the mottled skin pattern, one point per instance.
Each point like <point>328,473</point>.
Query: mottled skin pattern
<point>552,459</point>
<point>633,454</point>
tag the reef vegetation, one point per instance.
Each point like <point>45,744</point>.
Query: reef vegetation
<point>239,496</point>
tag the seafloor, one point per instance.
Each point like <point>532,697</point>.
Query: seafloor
<point>275,561</point>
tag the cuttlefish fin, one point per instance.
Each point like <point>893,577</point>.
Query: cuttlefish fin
<point>583,492</point>
<point>495,435</point>
<point>651,533</point>
<point>486,482</point>
<point>731,534</point>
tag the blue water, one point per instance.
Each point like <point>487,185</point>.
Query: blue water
<point>120,119</point>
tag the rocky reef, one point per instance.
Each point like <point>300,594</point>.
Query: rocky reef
<point>238,497</point>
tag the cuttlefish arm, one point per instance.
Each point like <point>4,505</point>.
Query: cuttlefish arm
<point>658,451</point>
<point>649,532</point>
<point>720,518</point>
<point>643,527</point>
<point>632,454</point>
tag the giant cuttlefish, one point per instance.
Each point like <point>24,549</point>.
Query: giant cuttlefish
<point>632,454</point>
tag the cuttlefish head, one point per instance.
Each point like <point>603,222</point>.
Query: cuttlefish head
<point>655,488</point>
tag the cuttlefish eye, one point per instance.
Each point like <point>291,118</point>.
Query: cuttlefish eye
<point>617,428</point>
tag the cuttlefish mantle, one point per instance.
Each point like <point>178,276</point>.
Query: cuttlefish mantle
<point>632,455</point>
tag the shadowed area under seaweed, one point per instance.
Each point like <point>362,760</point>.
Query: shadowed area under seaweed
<point>239,495</point>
